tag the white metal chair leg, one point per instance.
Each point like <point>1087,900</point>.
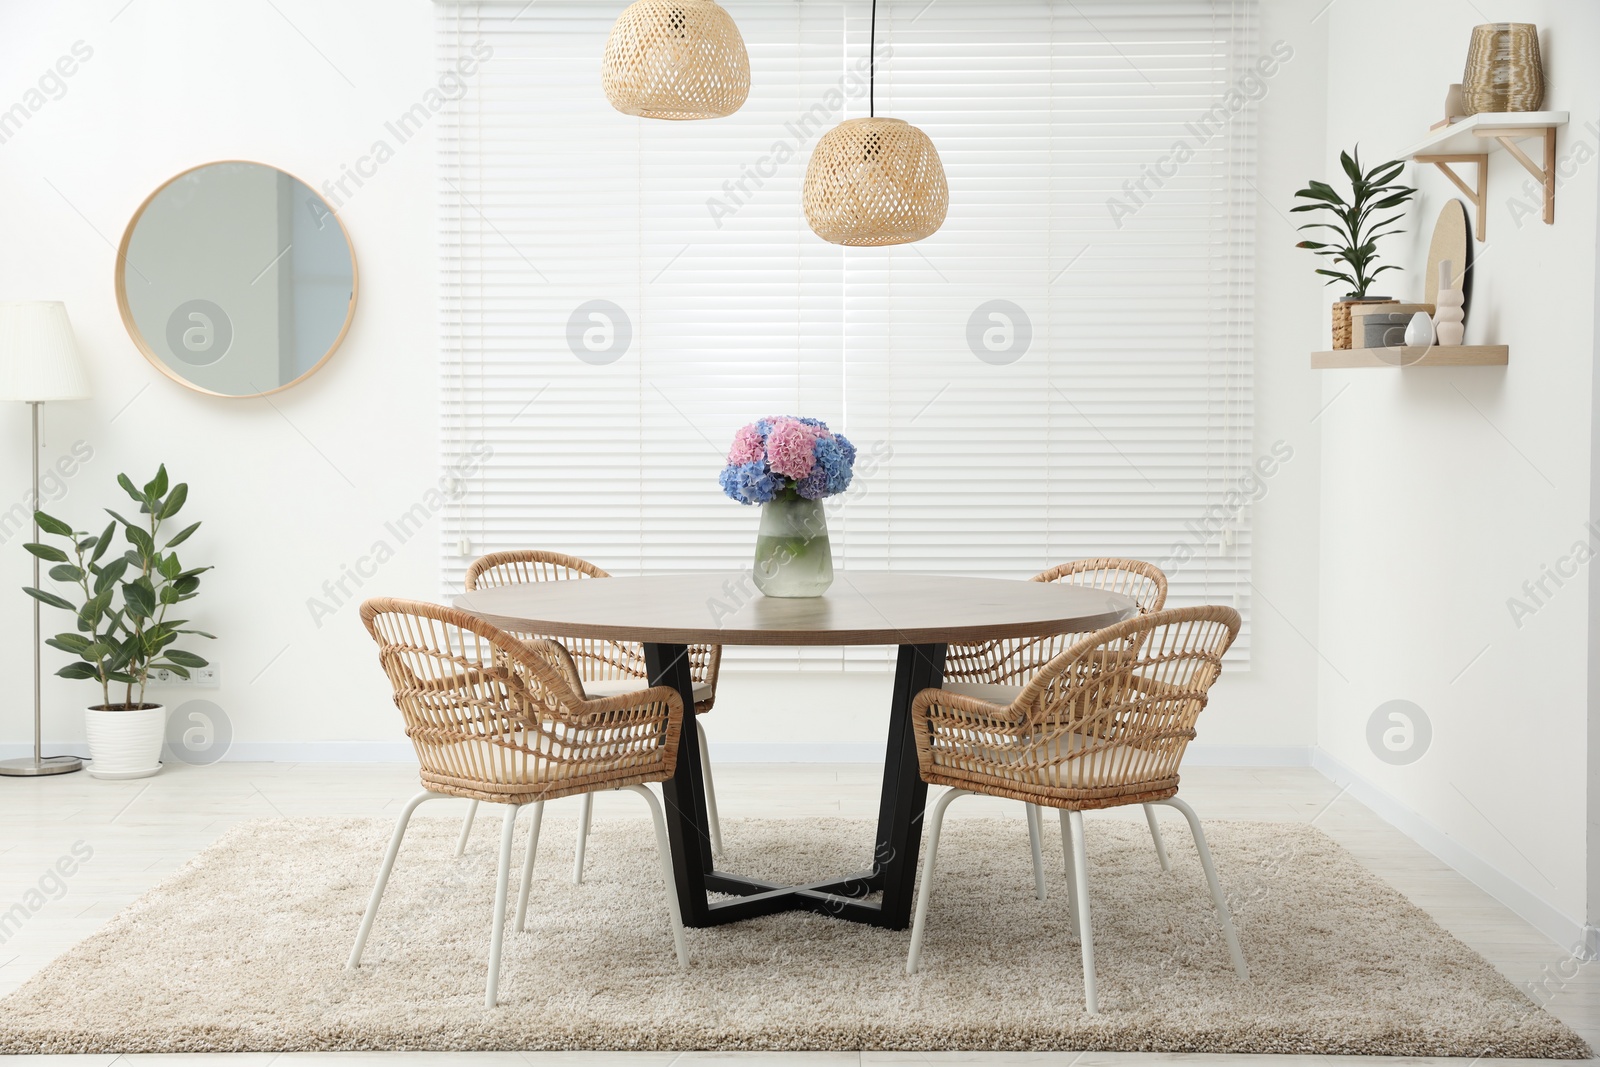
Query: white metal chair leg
<point>502,886</point>
<point>583,838</point>
<point>383,874</point>
<point>664,850</point>
<point>527,866</point>
<point>1080,878</point>
<point>1220,899</point>
<point>466,828</point>
<point>1034,830</point>
<point>711,792</point>
<point>919,925</point>
<point>1155,835</point>
<point>1066,859</point>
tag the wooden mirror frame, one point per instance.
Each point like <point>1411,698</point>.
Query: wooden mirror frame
<point>160,364</point>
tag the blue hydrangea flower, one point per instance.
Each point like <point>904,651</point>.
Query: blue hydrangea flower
<point>750,483</point>
<point>835,457</point>
<point>813,486</point>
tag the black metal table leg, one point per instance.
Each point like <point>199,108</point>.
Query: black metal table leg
<point>905,794</point>
<point>685,794</point>
<point>899,836</point>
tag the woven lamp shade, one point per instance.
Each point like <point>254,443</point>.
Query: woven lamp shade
<point>676,59</point>
<point>875,182</point>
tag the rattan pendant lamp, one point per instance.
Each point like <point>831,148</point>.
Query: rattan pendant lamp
<point>676,59</point>
<point>875,181</point>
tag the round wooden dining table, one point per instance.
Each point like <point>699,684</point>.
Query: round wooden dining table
<point>920,613</point>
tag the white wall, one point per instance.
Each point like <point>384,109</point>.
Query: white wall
<point>291,489</point>
<point>1445,489</point>
<point>296,489</point>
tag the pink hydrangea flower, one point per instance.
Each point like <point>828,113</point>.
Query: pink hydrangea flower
<point>791,448</point>
<point>747,446</point>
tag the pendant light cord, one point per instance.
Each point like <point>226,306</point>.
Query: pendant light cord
<point>872,68</point>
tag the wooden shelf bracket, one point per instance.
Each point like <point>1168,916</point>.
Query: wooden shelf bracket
<point>1478,197</point>
<point>1545,175</point>
<point>1507,137</point>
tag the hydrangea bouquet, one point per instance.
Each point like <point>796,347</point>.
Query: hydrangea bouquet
<point>785,456</point>
<point>788,465</point>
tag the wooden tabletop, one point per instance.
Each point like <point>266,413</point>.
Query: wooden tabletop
<point>861,608</point>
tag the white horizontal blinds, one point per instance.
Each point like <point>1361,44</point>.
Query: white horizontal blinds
<point>1127,415</point>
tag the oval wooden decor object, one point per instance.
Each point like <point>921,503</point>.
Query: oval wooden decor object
<point>875,181</point>
<point>676,59</point>
<point>1452,240</point>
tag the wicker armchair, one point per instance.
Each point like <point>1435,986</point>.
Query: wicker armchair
<point>1103,724</point>
<point>996,671</point>
<point>1012,661</point>
<point>496,718</point>
<point>605,668</point>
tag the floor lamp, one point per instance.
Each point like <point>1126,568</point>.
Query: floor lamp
<point>38,362</point>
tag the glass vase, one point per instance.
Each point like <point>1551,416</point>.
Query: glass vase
<point>793,557</point>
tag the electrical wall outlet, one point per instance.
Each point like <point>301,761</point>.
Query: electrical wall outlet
<point>207,677</point>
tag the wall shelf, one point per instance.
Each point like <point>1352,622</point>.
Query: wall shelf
<point>1434,356</point>
<point>1471,140</point>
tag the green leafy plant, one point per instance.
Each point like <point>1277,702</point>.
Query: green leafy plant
<point>123,632</point>
<point>1356,249</point>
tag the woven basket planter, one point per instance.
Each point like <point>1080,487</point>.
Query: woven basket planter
<point>676,59</point>
<point>875,181</point>
<point>1341,318</point>
<point>1504,72</point>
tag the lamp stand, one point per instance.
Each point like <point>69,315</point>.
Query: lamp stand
<point>39,764</point>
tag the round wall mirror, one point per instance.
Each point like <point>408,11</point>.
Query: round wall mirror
<point>236,279</point>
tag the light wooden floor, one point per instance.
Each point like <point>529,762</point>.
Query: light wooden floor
<point>142,831</point>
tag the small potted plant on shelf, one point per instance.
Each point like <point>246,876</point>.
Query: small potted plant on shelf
<point>1354,249</point>
<point>122,629</point>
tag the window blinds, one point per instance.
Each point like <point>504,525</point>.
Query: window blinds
<point>1062,371</point>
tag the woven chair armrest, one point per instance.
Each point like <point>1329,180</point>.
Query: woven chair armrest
<point>557,656</point>
<point>999,718</point>
<point>596,711</point>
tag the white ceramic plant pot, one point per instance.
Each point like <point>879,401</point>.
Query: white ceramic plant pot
<point>125,744</point>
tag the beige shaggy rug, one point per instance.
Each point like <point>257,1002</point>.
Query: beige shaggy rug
<point>244,950</point>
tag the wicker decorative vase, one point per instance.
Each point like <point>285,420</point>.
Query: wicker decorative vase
<point>676,59</point>
<point>875,181</point>
<point>1341,318</point>
<point>1504,72</point>
<point>793,557</point>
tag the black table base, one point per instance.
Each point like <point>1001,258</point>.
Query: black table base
<point>893,867</point>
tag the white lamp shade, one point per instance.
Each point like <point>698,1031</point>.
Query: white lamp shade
<point>38,356</point>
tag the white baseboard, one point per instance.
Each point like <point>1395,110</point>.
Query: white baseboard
<point>1200,755</point>
<point>1528,905</point>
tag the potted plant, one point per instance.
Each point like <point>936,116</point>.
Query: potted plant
<point>122,629</point>
<point>1355,247</point>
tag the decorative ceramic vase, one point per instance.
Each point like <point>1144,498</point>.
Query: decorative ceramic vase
<point>125,744</point>
<point>1455,108</point>
<point>1449,318</point>
<point>1504,71</point>
<point>793,557</point>
<point>1420,333</point>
